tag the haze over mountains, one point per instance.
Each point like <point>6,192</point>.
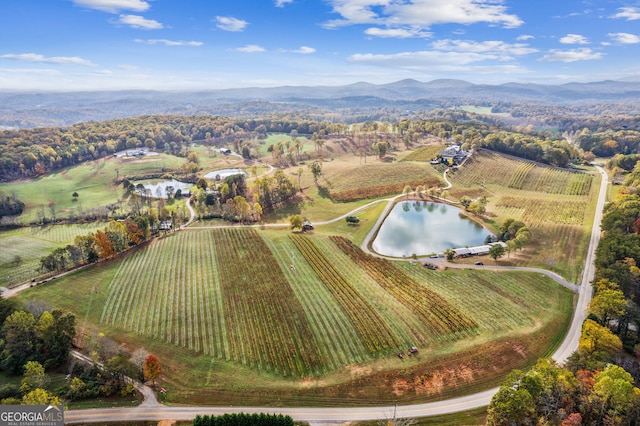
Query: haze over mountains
<point>34,109</point>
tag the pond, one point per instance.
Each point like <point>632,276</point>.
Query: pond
<point>224,173</point>
<point>158,188</point>
<point>420,228</point>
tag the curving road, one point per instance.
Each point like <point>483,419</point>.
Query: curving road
<point>338,415</point>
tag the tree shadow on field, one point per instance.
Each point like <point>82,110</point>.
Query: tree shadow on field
<point>324,192</point>
<point>293,207</point>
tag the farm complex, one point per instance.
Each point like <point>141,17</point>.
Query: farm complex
<point>312,316</point>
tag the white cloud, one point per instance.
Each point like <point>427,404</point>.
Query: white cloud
<point>574,39</point>
<point>136,21</point>
<point>453,56</point>
<point>114,6</point>
<point>169,42</point>
<point>493,47</point>
<point>59,60</point>
<point>251,48</point>
<point>421,59</point>
<point>228,23</point>
<point>281,3</point>
<point>397,32</point>
<point>525,37</point>
<point>304,50</point>
<point>625,38</point>
<point>582,54</point>
<point>421,13</point>
<point>628,13</point>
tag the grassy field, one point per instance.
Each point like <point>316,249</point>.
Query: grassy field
<point>308,327</point>
<point>425,153</point>
<point>93,181</point>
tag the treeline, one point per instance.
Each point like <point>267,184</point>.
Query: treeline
<point>34,152</point>
<point>29,343</point>
<point>115,238</point>
<point>45,338</point>
<point>243,419</point>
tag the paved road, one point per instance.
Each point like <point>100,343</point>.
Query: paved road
<point>338,415</point>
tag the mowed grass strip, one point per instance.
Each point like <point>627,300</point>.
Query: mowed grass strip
<point>373,180</point>
<point>263,314</point>
<point>372,328</point>
<point>439,315</point>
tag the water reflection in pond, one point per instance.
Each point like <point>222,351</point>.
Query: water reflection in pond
<point>420,227</point>
<point>158,189</point>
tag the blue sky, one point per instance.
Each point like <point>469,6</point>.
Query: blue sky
<point>213,44</point>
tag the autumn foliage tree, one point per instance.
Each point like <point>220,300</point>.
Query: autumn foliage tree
<point>151,368</point>
<point>105,246</point>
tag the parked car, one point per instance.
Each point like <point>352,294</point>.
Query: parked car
<point>479,263</point>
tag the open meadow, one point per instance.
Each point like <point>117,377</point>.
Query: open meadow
<point>52,195</point>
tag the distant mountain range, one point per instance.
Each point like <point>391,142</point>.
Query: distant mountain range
<point>31,109</point>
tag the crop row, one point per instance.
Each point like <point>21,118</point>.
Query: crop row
<point>555,181</point>
<point>62,233</point>
<point>168,291</point>
<point>265,322</point>
<point>537,212</point>
<point>520,174</point>
<point>499,302</point>
<point>408,328</point>
<point>337,337</point>
<point>364,182</point>
<point>580,184</point>
<point>374,332</point>
<point>440,316</point>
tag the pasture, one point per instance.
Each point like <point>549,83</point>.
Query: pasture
<point>295,307</point>
<point>51,195</point>
<point>284,139</point>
